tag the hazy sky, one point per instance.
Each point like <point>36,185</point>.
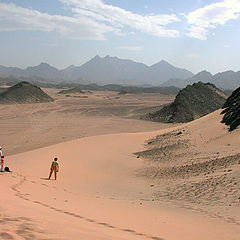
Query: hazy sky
<point>193,34</point>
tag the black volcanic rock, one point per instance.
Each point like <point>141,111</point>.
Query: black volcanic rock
<point>232,110</point>
<point>191,103</point>
<point>24,92</point>
<point>71,90</point>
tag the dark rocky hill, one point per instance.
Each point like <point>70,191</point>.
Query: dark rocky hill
<point>24,92</point>
<point>232,110</point>
<point>71,90</point>
<point>191,103</point>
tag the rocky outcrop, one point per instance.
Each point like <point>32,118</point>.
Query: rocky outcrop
<point>191,103</point>
<point>232,110</point>
<point>24,92</point>
<point>71,90</point>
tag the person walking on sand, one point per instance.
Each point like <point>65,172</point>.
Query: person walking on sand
<point>54,168</point>
<point>1,159</point>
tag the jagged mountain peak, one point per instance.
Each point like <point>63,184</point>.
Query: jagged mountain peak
<point>70,67</point>
<point>42,66</point>
<point>162,63</point>
<point>204,73</point>
<point>202,76</point>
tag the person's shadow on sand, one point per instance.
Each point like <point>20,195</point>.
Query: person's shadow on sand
<point>46,179</point>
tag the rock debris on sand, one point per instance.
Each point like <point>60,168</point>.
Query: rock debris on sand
<point>196,165</point>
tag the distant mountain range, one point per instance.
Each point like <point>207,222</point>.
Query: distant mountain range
<point>224,80</point>
<point>113,70</point>
<point>101,71</point>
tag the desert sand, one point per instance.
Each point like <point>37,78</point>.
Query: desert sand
<point>120,178</point>
<point>30,126</point>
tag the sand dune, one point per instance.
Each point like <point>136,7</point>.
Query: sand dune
<point>99,196</point>
<point>30,126</point>
<point>158,181</point>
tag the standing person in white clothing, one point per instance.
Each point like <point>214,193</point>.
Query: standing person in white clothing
<point>1,159</point>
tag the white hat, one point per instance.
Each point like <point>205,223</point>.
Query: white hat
<point>0,147</point>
